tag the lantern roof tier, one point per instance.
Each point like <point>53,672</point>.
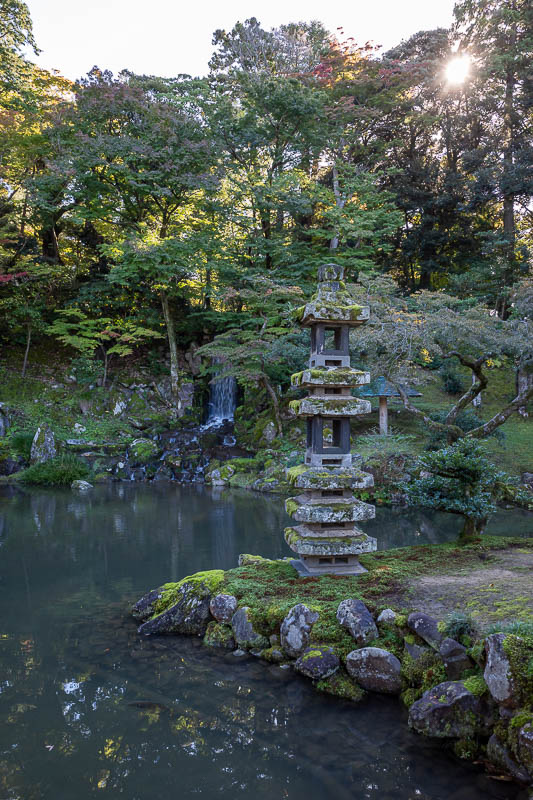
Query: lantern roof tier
<point>333,377</point>
<point>329,406</point>
<point>305,545</point>
<point>310,478</point>
<point>381,387</point>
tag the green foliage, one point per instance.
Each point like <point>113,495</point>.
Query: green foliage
<point>459,626</point>
<point>422,673</point>
<point>76,329</point>
<point>20,442</point>
<point>86,370</point>
<point>59,471</point>
<point>451,380</point>
<point>135,204</point>
<point>519,628</point>
<point>460,480</point>
<point>466,420</point>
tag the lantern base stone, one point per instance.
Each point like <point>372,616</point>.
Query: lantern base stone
<point>309,566</point>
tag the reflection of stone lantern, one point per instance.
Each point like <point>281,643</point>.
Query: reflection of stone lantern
<point>328,540</point>
<point>382,388</point>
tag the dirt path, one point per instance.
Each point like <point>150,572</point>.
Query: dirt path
<point>499,589</point>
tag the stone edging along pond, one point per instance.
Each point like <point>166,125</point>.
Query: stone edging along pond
<point>352,635</point>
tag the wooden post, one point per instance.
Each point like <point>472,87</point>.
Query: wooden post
<point>383,416</point>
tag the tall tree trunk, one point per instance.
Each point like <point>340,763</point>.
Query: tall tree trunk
<point>476,401</point>
<point>339,202</point>
<point>509,229</point>
<point>26,352</point>
<point>472,530</point>
<point>50,245</point>
<point>106,364</point>
<point>207,295</point>
<point>174,367</point>
<point>266,227</point>
<point>524,381</point>
<point>275,404</point>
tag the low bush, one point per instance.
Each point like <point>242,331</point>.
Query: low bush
<point>20,443</point>
<point>459,626</point>
<point>59,471</point>
<point>452,381</point>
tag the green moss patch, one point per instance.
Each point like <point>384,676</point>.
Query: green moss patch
<point>341,685</point>
<point>210,580</point>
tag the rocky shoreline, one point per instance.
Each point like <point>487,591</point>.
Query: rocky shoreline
<point>465,681</point>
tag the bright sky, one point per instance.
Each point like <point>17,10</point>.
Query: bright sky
<point>167,37</point>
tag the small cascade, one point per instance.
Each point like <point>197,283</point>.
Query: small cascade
<point>222,399</point>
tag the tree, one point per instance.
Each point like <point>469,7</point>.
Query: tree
<point>23,305</point>
<point>16,33</point>
<point>75,329</point>
<point>461,480</point>
<point>431,326</point>
<point>498,34</point>
<point>142,162</point>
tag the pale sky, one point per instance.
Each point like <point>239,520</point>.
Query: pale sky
<point>165,37</point>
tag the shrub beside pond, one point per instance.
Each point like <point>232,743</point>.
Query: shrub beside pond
<point>59,471</point>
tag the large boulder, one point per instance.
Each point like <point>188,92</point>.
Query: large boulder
<point>269,432</point>
<point>426,627</point>
<point>507,671</point>
<point>223,607</point>
<point>144,608</point>
<point>317,663</point>
<point>295,630</point>
<point>358,621</point>
<point>375,669</point>
<point>449,710</point>
<point>244,633</point>
<point>455,658</point>
<point>187,612</point>
<point>81,486</point>
<point>43,447</point>
<point>498,670</point>
<point>524,747</point>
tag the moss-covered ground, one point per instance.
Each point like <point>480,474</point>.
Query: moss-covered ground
<point>436,578</point>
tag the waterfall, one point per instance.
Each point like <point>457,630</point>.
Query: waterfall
<point>222,397</point>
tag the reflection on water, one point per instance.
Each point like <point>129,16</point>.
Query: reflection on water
<point>88,708</point>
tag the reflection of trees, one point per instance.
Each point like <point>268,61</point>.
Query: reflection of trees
<point>401,527</point>
<point>211,724</point>
<point>206,725</point>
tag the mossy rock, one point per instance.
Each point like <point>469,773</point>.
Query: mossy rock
<point>199,583</point>
<point>142,451</point>
<point>219,635</point>
<point>341,685</point>
<point>102,477</point>
<point>519,651</point>
<point>183,607</point>
<point>242,480</point>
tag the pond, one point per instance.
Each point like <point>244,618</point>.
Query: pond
<point>88,709</point>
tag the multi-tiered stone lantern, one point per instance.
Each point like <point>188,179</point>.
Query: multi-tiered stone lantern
<point>326,537</point>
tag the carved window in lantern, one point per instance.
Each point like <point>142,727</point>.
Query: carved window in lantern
<point>332,343</point>
<point>318,429</point>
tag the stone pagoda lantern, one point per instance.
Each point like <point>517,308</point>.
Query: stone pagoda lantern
<point>326,538</point>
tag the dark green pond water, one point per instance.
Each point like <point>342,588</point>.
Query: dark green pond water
<point>73,670</point>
